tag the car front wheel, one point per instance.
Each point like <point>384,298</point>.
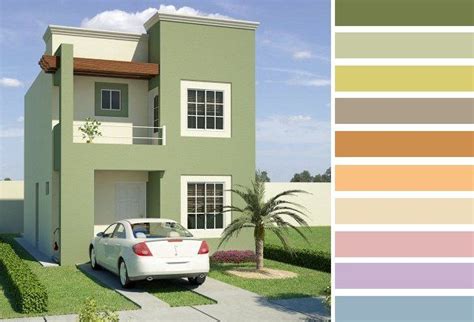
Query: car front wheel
<point>93,259</point>
<point>198,280</point>
<point>123,275</point>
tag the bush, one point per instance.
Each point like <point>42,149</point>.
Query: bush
<point>233,256</point>
<point>308,258</point>
<point>29,294</point>
<point>91,313</point>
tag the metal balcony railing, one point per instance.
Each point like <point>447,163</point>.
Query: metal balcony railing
<point>123,133</point>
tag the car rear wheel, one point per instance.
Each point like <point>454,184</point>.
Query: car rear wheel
<point>93,259</point>
<point>198,280</point>
<point>123,275</point>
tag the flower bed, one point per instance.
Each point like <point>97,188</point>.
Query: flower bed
<point>233,256</point>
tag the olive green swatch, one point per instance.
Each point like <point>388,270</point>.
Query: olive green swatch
<point>404,13</point>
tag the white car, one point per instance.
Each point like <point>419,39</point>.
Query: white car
<point>150,248</point>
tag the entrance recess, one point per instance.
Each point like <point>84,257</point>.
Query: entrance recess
<point>130,200</point>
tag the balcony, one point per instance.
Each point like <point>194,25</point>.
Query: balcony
<point>123,133</point>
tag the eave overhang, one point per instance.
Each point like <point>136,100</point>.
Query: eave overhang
<point>103,67</point>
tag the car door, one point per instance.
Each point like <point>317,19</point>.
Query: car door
<point>115,247</point>
<point>102,246</point>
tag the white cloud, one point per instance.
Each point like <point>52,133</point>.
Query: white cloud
<point>294,46</point>
<point>292,129</point>
<point>302,54</point>
<point>13,132</point>
<point>118,20</point>
<point>311,82</point>
<point>10,82</point>
<point>298,77</point>
<point>20,119</point>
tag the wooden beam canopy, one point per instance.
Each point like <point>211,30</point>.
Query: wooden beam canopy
<point>103,67</point>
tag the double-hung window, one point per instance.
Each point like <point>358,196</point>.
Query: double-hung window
<point>110,99</point>
<point>205,205</point>
<point>206,109</point>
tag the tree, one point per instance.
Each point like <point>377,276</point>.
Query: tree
<point>7,179</point>
<point>304,176</point>
<point>264,215</point>
<point>90,129</point>
<point>262,176</point>
<point>326,177</point>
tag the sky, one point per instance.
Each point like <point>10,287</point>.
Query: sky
<point>292,69</point>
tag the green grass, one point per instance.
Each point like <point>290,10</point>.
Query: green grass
<point>308,283</point>
<point>319,239</point>
<point>67,289</point>
<point>174,294</point>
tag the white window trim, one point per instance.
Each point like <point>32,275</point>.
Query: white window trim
<point>110,100</point>
<point>205,233</point>
<point>226,89</point>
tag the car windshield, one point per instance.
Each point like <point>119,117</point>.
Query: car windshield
<point>159,230</point>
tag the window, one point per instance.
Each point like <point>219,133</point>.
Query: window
<point>205,109</point>
<point>120,232</point>
<point>110,99</point>
<point>156,113</point>
<point>205,205</point>
<point>109,231</point>
<point>46,188</point>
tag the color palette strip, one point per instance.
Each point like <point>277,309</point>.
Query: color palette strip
<point>404,308</point>
<point>408,211</point>
<point>405,244</point>
<point>405,276</point>
<point>403,135</point>
<point>405,110</point>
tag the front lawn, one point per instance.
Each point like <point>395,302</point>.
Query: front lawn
<point>67,289</point>
<point>308,283</point>
<point>319,239</point>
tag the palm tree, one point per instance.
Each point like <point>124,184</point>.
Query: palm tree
<point>264,215</point>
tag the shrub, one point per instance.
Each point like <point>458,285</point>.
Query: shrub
<point>308,258</point>
<point>91,313</point>
<point>29,294</point>
<point>327,297</point>
<point>233,256</point>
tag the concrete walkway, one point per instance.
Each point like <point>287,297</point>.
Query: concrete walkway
<point>36,254</point>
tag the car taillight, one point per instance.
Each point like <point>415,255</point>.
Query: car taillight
<point>141,249</point>
<point>204,249</point>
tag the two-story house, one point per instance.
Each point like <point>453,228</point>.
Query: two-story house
<point>177,113</point>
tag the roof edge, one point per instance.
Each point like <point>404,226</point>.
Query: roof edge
<point>219,22</point>
<point>93,33</point>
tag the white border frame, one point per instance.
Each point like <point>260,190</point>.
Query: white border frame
<point>224,87</point>
<point>205,233</point>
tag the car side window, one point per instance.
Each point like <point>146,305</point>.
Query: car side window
<point>109,231</point>
<point>119,232</point>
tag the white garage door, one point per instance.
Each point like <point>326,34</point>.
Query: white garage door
<point>130,200</point>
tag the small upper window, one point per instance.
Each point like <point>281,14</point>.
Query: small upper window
<point>110,99</point>
<point>205,109</point>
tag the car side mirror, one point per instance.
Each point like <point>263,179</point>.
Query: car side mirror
<point>101,234</point>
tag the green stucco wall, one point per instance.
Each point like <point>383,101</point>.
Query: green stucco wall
<point>38,160</point>
<point>185,52</point>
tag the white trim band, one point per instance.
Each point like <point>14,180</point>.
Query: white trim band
<point>218,22</point>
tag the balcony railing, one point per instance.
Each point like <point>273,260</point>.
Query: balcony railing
<point>123,133</point>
